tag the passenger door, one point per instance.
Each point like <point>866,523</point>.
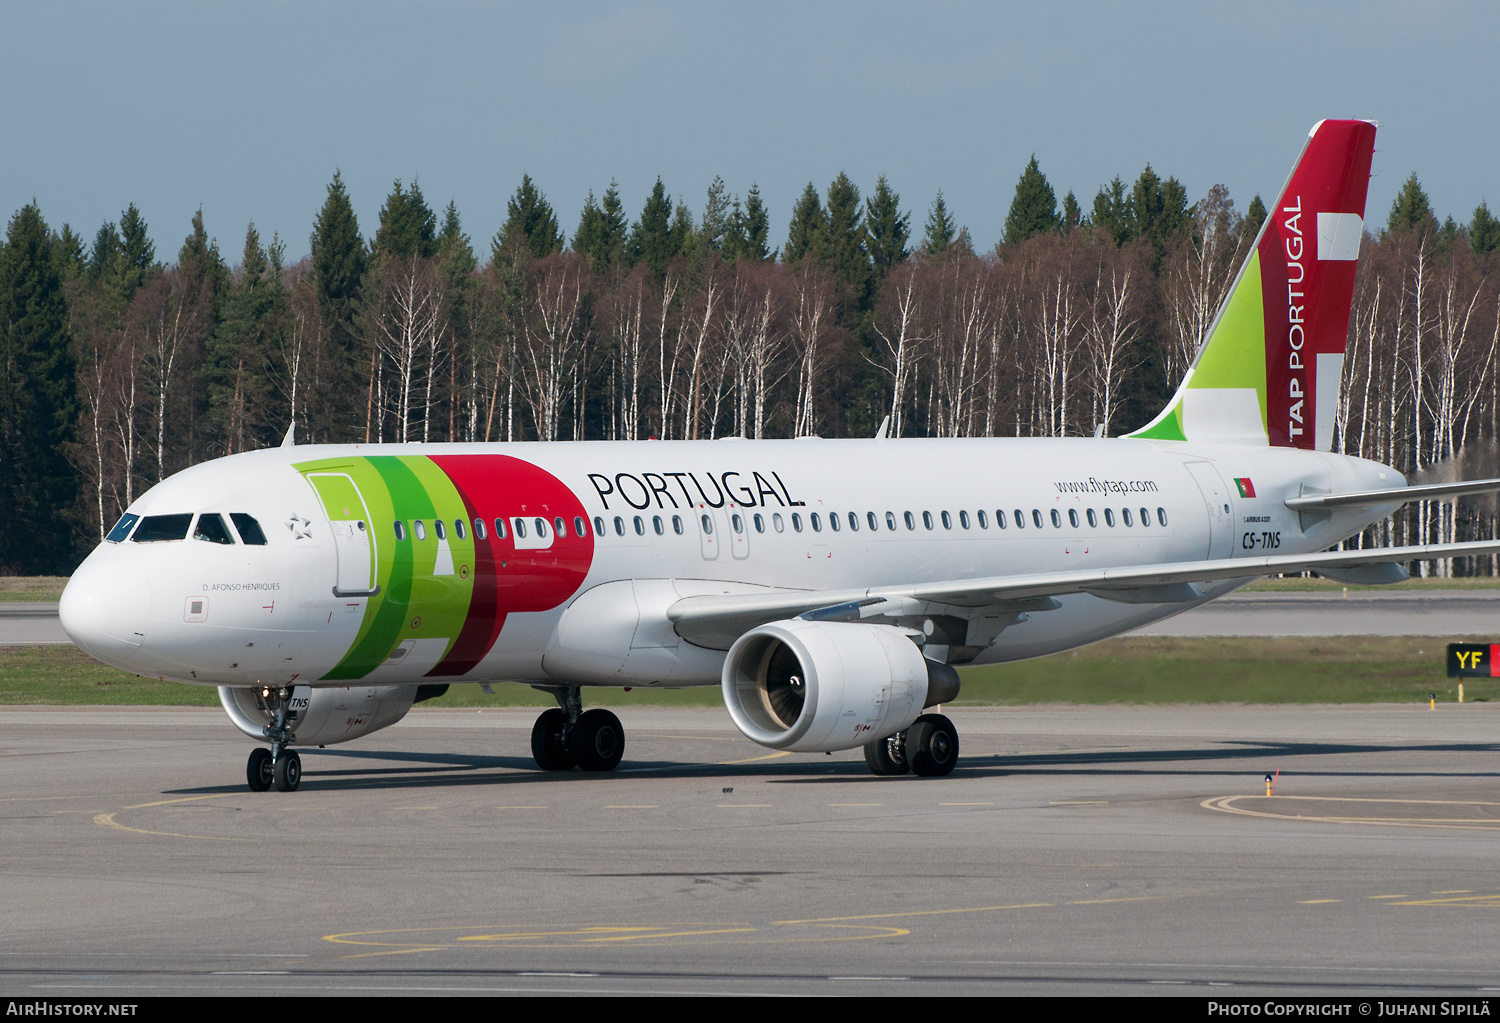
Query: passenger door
<point>353,539</point>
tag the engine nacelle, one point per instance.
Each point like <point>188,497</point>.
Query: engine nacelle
<point>815,687</point>
<point>332,715</point>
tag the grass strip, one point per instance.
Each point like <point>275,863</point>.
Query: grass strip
<point>1141,670</point>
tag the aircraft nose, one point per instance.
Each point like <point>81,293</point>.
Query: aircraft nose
<point>105,610</point>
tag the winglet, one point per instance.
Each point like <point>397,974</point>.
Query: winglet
<point>291,431</point>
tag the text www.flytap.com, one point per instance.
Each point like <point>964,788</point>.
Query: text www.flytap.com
<point>1094,486</point>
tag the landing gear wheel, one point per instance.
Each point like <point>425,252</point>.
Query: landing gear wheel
<point>932,746</point>
<point>547,747</point>
<point>258,770</point>
<point>887,756</point>
<point>288,771</point>
<point>598,740</point>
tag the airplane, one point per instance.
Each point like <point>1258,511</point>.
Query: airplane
<point>830,588</point>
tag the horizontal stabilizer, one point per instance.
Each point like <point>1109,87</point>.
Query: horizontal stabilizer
<point>1396,495</point>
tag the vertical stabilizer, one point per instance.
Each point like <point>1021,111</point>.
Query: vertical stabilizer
<point>1270,370</point>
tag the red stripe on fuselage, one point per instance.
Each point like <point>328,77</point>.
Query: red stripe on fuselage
<point>507,580</point>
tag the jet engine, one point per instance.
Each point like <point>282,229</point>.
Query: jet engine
<point>819,686</point>
<point>330,715</point>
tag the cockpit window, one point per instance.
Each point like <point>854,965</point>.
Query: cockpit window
<point>122,528</point>
<point>250,531</point>
<point>156,528</point>
<point>211,528</point>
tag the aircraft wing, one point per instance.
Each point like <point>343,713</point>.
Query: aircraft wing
<point>716,621</point>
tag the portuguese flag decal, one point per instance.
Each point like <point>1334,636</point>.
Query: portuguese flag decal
<point>1247,489</point>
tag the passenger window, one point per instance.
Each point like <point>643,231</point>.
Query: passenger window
<point>122,528</point>
<point>250,531</point>
<point>760,522</point>
<point>927,519</point>
<point>738,522</point>
<point>598,526</point>
<point>479,530</point>
<point>1073,517</point>
<point>947,521</point>
<point>1093,519</point>
<point>817,523</point>
<point>658,525</point>
<point>1161,516</point>
<point>520,529</point>
<point>1145,517</point>
<point>156,528</point>
<point>797,521</point>
<point>211,528</point>
<point>458,528</point>
<point>873,521</point>
<point>777,523</point>
<point>559,526</point>
<point>911,521</point>
<point>1109,517</point>
<point>963,519</point>
<point>541,528</point>
<point>833,521</point>
<point>1056,519</point>
<point>890,521</point>
<point>677,524</point>
<point>1020,519</point>
<point>640,526</point>
<point>1125,514</point>
<point>619,526</point>
<point>1036,517</point>
<point>400,530</point>
<point>579,528</point>
<point>437,527</point>
<point>500,533</point>
<point>708,524</point>
<point>419,530</point>
<point>853,522</point>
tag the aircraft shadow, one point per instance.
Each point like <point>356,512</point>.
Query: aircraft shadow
<point>442,770</point>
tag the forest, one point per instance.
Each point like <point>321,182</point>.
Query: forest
<point>121,368</point>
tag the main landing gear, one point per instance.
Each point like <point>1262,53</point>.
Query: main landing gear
<point>569,736</point>
<point>928,748</point>
<point>279,765</point>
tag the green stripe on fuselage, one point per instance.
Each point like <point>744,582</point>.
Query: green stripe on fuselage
<point>413,602</point>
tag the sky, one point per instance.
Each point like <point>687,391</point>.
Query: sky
<point>245,110</point>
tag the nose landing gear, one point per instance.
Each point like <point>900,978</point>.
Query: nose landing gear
<point>570,736</point>
<point>278,765</point>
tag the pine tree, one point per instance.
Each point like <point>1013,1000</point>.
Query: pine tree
<point>1410,208</point>
<point>104,257</point>
<point>407,226</point>
<point>653,240</point>
<point>240,351</point>
<point>888,228</point>
<point>137,254</point>
<point>807,233</point>
<point>940,227</point>
<point>1072,215</point>
<point>1033,211</point>
<point>1112,212</point>
<point>1484,231</point>
<point>848,253</point>
<point>753,229</point>
<point>684,235</point>
<point>38,403</point>
<point>601,229</point>
<point>68,255</point>
<point>716,214</point>
<point>338,256</point>
<point>529,217</point>
<point>1255,216</point>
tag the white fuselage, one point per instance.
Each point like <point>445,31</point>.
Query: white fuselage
<point>239,614</point>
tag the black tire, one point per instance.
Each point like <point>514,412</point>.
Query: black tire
<point>598,740</point>
<point>258,770</point>
<point>887,756</point>
<point>288,771</point>
<point>546,742</point>
<point>932,746</point>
